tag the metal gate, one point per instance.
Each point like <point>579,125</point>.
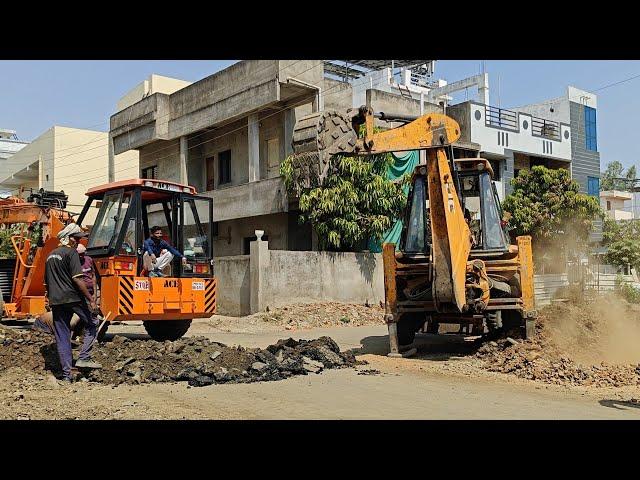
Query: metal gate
<point>7,268</point>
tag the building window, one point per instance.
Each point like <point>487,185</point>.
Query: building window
<point>224,167</point>
<point>150,172</point>
<point>590,128</point>
<point>608,205</point>
<point>209,165</point>
<point>495,166</point>
<point>593,186</point>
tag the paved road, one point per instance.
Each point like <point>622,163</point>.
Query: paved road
<point>432,386</point>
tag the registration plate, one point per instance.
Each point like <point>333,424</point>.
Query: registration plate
<point>197,285</point>
<point>141,285</point>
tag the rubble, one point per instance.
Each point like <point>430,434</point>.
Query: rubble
<point>572,360</point>
<point>196,360</point>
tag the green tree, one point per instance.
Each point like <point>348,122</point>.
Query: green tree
<point>355,203</point>
<point>622,239</point>
<point>615,171</point>
<point>547,205</point>
<point>6,247</point>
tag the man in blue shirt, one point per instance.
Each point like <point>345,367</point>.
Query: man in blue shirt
<point>158,253</point>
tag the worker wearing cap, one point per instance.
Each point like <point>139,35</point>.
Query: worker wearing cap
<point>67,292</point>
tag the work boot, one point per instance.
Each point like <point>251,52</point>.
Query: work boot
<point>65,381</point>
<point>87,364</point>
<point>158,273</point>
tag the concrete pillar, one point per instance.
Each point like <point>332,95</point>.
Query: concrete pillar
<point>259,260</point>
<point>111,169</point>
<point>483,88</point>
<point>289,123</point>
<point>254,148</point>
<point>40,172</point>
<point>184,154</point>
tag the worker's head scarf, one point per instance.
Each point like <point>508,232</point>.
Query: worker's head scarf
<point>71,230</point>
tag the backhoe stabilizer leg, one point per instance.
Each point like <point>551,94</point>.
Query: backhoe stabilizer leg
<point>395,347</point>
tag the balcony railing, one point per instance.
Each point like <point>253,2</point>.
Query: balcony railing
<point>545,128</point>
<point>499,117</point>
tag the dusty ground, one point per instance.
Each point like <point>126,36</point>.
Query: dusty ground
<point>302,316</point>
<point>448,378</point>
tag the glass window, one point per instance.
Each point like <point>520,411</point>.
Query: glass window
<point>224,167</point>
<point>471,205</point>
<point>414,242</point>
<point>110,216</point>
<point>150,172</point>
<point>590,128</point>
<point>195,229</point>
<point>593,186</point>
<point>494,235</point>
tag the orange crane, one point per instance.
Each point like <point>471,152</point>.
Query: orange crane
<point>39,218</point>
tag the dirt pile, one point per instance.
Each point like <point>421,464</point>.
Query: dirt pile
<point>303,316</point>
<point>594,343</point>
<point>196,360</point>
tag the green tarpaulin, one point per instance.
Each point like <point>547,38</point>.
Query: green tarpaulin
<point>403,163</point>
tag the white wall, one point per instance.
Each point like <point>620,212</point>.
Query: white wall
<point>521,141</point>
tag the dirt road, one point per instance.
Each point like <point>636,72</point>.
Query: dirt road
<point>446,385</point>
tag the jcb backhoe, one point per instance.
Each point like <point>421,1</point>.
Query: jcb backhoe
<point>454,263</point>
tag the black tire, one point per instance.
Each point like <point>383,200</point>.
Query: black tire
<point>1,304</point>
<point>161,330</point>
<point>408,325</point>
<point>511,319</point>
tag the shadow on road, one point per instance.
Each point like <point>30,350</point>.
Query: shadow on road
<point>430,347</point>
<point>623,403</point>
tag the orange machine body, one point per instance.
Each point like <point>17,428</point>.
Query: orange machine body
<point>28,291</point>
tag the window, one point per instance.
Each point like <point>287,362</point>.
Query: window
<point>593,186</point>
<point>608,205</point>
<point>224,167</point>
<point>590,128</point>
<point>209,165</point>
<point>150,172</point>
<point>495,166</point>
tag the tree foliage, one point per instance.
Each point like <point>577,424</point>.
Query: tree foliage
<point>356,202</point>
<point>547,205</point>
<point>6,247</point>
<point>615,171</point>
<point>622,239</point>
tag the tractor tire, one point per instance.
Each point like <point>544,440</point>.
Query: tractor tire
<point>161,330</point>
<point>1,305</point>
<point>511,319</point>
<point>408,325</point>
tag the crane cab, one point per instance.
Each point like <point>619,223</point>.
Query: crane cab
<point>126,211</point>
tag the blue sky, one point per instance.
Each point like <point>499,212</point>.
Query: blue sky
<point>34,95</point>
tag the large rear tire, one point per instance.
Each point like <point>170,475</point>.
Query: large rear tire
<point>408,325</point>
<point>161,330</point>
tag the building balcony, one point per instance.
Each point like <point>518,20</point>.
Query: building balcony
<point>262,197</point>
<point>498,130</point>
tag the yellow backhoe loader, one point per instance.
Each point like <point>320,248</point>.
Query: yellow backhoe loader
<point>454,263</point>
